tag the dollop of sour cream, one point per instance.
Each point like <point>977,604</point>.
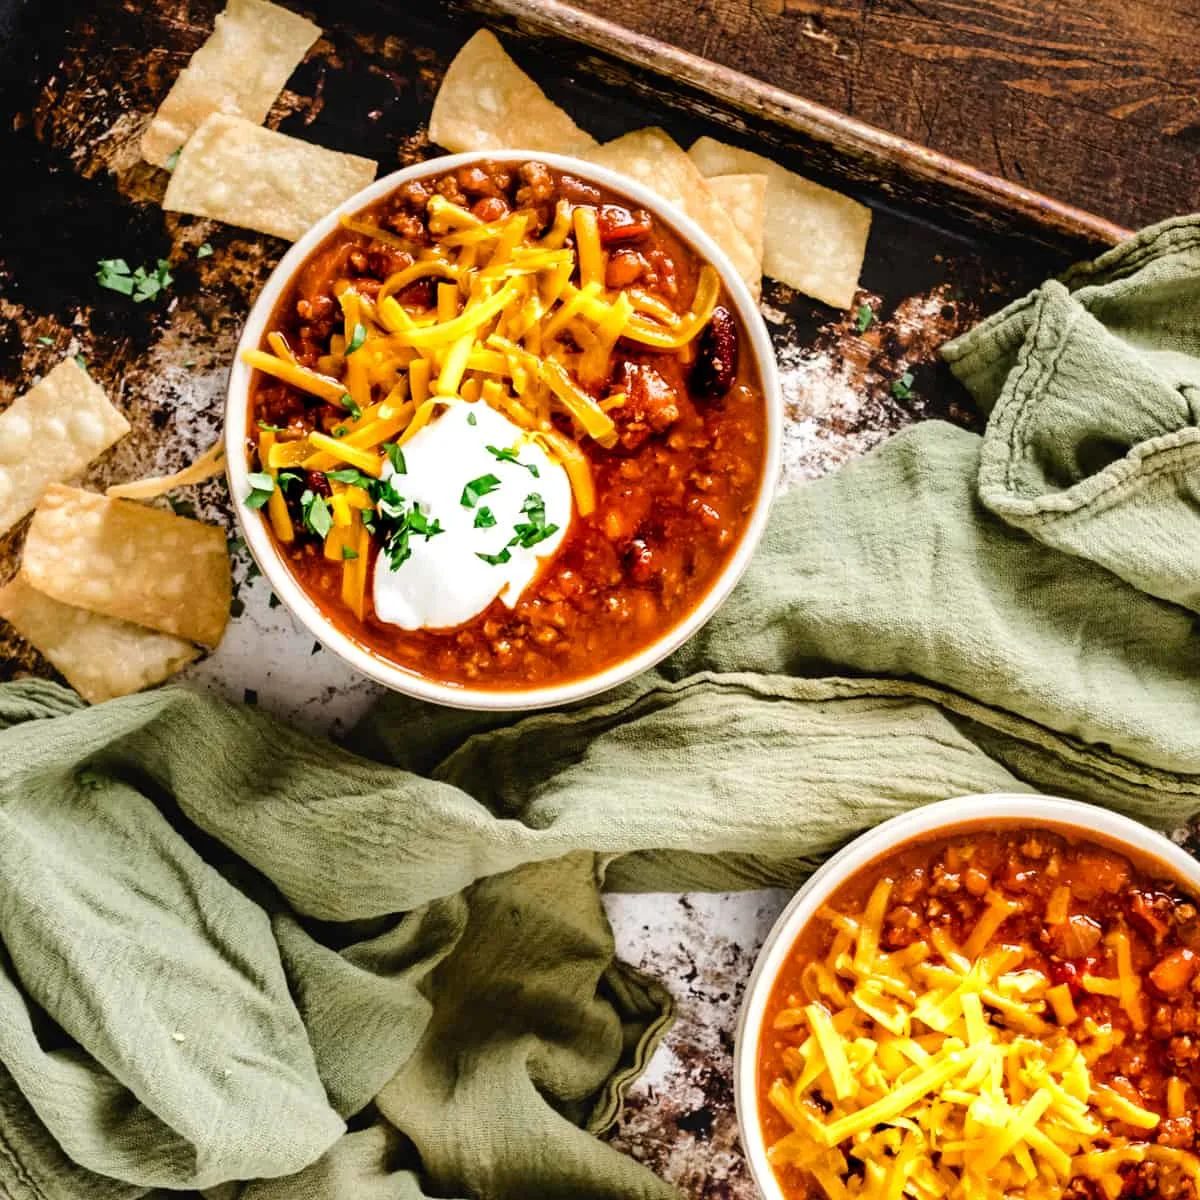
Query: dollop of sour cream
<point>447,464</point>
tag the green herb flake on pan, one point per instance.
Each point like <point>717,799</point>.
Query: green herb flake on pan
<point>902,387</point>
<point>863,318</point>
<point>204,251</point>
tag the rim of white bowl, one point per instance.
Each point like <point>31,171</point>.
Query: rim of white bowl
<point>298,602</point>
<point>1037,811</point>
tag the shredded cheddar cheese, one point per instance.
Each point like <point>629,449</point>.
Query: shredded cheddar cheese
<point>954,1072</point>
<point>506,327</point>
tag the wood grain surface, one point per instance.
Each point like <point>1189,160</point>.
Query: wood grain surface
<point>1097,104</point>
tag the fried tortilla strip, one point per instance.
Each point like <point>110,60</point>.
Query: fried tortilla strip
<point>50,434</point>
<point>816,238</point>
<point>239,71</point>
<point>744,198</point>
<point>130,562</point>
<point>652,158</point>
<point>100,657</point>
<point>486,102</point>
<point>210,464</point>
<point>233,170</point>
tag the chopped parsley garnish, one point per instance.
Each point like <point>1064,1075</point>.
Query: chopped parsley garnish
<point>173,158</point>
<point>347,553</point>
<point>472,419</point>
<point>484,518</point>
<point>530,533</point>
<point>477,489</point>
<point>863,318</point>
<point>315,511</point>
<point>510,456</point>
<point>347,402</point>
<point>261,487</point>
<point>267,428</point>
<point>46,341</point>
<point>351,476</point>
<point>339,431</point>
<point>204,251</point>
<point>902,387</point>
<point>396,522</point>
<point>286,479</point>
<point>396,457</point>
<point>114,274</point>
<point>356,338</point>
<point>495,560</point>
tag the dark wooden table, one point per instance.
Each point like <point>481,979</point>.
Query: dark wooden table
<point>1095,103</point>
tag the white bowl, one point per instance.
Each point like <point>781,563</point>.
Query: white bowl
<point>1085,820</point>
<point>297,601</point>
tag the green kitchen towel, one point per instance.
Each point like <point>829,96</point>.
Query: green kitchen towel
<point>231,952</point>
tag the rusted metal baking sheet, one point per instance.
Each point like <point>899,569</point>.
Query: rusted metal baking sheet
<point>948,245</point>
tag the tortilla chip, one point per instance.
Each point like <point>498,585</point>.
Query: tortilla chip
<point>130,562</point>
<point>486,102</point>
<point>209,465</point>
<point>652,158</point>
<point>99,657</point>
<point>236,171</point>
<point>816,238</point>
<point>239,71</point>
<point>744,198</point>
<point>50,434</point>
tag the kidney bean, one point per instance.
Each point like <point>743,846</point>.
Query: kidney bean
<point>316,481</point>
<point>716,356</point>
<point>617,224</point>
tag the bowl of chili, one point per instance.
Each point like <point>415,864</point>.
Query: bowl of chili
<point>990,996</point>
<point>503,429</point>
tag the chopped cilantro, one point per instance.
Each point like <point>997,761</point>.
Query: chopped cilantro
<point>173,158</point>
<point>141,284</point>
<point>264,426</point>
<point>317,517</point>
<point>356,338</point>
<point>396,521</point>
<point>863,318</point>
<point>261,487</point>
<point>287,479</point>
<point>396,457</point>
<point>530,533</point>
<point>472,419</point>
<point>902,387</point>
<point>347,402</point>
<point>510,456</point>
<point>204,251</point>
<point>46,341</point>
<point>347,553</point>
<point>495,560</point>
<point>81,362</point>
<point>351,476</point>
<point>339,431</point>
<point>478,488</point>
<point>484,518</point>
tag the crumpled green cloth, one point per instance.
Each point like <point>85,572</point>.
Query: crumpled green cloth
<point>232,952</point>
